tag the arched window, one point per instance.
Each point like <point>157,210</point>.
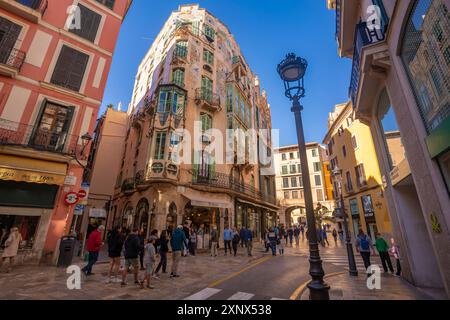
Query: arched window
<point>142,215</point>
<point>425,55</point>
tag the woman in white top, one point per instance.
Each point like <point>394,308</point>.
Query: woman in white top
<point>11,247</point>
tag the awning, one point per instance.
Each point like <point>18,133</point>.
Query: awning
<point>21,169</point>
<point>256,205</point>
<point>199,199</point>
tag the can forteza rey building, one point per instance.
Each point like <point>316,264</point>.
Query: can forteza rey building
<point>195,77</point>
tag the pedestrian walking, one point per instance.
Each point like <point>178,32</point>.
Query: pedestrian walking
<point>302,230</point>
<point>132,248</point>
<point>141,248</point>
<point>364,246</point>
<point>115,246</point>
<point>281,245</point>
<point>227,238</point>
<point>266,240</point>
<point>335,235</point>
<point>325,237</point>
<point>291,235</point>
<point>395,252</point>
<point>176,242</point>
<point>235,241</point>
<point>297,236</point>
<point>187,235</point>
<point>200,236</point>
<point>341,235</point>
<point>249,241</point>
<point>214,241</point>
<point>149,262</point>
<point>273,241</point>
<point>11,247</point>
<point>93,247</point>
<point>383,250</point>
<point>192,242</point>
<point>242,234</point>
<point>162,246</point>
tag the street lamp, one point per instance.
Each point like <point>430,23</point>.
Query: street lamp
<point>292,71</point>
<point>337,174</point>
<point>85,139</point>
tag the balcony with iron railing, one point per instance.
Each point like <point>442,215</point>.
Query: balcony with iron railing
<point>128,185</point>
<point>23,135</point>
<point>31,10</point>
<point>11,61</point>
<point>207,177</point>
<point>207,99</point>
<point>365,36</point>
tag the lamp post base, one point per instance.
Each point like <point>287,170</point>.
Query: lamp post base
<point>318,290</point>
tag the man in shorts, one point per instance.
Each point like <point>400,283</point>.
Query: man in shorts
<point>132,248</point>
<point>149,261</point>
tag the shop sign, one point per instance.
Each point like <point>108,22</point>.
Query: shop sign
<point>354,208</point>
<point>367,206</point>
<point>70,181</point>
<point>97,213</point>
<point>29,176</point>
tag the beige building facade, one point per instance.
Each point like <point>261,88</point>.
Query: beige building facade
<point>289,183</point>
<point>191,88</point>
<point>401,76</point>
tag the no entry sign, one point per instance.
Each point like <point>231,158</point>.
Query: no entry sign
<point>82,194</point>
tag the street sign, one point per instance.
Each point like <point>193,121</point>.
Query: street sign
<point>70,181</point>
<point>82,194</point>
<point>71,198</point>
<point>79,209</point>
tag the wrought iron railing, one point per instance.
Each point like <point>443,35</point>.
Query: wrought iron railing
<point>208,177</point>
<point>19,134</point>
<point>208,96</point>
<point>12,57</point>
<point>365,36</point>
<point>38,5</point>
<point>338,18</point>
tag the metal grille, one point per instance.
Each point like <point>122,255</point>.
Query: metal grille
<point>425,47</point>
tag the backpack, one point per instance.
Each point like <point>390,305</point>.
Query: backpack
<point>364,243</point>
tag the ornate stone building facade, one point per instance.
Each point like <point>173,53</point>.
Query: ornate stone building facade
<point>194,74</point>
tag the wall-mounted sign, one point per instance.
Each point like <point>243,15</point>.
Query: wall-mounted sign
<point>70,181</point>
<point>367,206</point>
<point>354,208</point>
<point>71,198</point>
<point>79,209</point>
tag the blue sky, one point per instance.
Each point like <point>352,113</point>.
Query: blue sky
<point>265,30</point>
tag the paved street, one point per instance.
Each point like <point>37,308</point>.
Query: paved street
<point>261,277</point>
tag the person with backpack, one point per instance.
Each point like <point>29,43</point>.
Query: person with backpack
<point>177,243</point>
<point>364,246</point>
<point>132,249</point>
<point>235,241</point>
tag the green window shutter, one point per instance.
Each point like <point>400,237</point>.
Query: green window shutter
<point>178,77</point>
<point>196,28</point>
<point>181,49</point>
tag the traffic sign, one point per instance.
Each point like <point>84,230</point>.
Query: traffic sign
<point>71,198</point>
<point>82,194</point>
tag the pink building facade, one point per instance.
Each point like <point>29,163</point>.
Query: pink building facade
<point>55,57</point>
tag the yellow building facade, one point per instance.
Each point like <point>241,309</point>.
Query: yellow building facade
<point>350,147</point>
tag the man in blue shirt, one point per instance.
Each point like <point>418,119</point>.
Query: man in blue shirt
<point>227,237</point>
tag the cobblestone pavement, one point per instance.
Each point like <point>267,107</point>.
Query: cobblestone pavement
<point>46,282</point>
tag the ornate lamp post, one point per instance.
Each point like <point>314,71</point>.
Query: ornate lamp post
<point>337,174</point>
<point>85,139</point>
<point>292,71</point>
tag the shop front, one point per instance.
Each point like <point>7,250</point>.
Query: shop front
<point>202,212</point>
<point>28,192</point>
<point>255,217</point>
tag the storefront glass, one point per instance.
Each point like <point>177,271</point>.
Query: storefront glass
<point>27,227</point>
